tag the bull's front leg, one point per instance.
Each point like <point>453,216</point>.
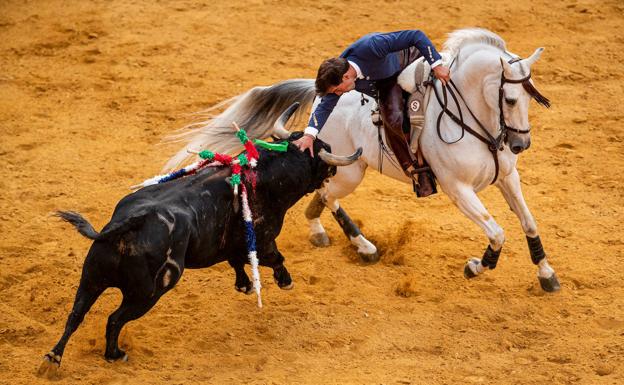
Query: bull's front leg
<point>511,190</point>
<point>242,284</point>
<point>275,260</point>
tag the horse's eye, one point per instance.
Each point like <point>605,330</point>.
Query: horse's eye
<point>511,102</point>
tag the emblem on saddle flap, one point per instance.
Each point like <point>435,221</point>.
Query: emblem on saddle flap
<point>416,101</point>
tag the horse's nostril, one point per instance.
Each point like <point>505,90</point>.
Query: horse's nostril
<point>516,149</point>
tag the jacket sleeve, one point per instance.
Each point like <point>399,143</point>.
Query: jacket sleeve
<point>384,43</point>
<point>320,115</point>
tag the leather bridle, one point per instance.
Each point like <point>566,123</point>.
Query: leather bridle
<point>494,143</point>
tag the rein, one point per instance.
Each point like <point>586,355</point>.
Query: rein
<point>494,143</point>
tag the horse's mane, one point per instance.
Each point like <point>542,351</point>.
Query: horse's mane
<point>462,37</point>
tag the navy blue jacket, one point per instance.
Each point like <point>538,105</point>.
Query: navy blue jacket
<point>377,56</point>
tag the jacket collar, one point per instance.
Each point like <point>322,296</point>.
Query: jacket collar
<point>358,71</point>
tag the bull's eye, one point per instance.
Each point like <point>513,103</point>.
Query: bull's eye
<point>510,101</point>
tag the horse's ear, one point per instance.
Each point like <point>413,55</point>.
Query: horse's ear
<point>533,58</point>
<point>506,68</point>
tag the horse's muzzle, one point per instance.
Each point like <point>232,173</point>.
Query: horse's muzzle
<point>518,145</point>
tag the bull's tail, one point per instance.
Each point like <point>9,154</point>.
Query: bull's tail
<point>111,231</point>
<point>80,223</point>
<point>255,111</point>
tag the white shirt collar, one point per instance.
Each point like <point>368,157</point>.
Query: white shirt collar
<point>358,71</point>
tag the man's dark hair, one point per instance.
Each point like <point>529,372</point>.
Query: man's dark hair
<point>330,74</point>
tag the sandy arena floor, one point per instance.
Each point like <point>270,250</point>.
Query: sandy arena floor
<point>88,90</point>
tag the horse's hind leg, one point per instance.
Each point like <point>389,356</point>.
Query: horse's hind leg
<point>511,190</point>
<point>318,236</point>
<point>467,201</point>
<point>343,184</point>
<point>365,249</point>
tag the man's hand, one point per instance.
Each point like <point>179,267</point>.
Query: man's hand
<point>305,143</point>
<point>442,73</point>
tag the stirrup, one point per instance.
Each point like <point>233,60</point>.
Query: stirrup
<point>414,169</point>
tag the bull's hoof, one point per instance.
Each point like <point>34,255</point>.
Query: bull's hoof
<point>286,283</point>
<point>119,356</point>
<point>287,287</point>
<point>49,368</point>
<point>369,257</point>
<point>320,239</point>
<point>244,289</point>
<point>551,284</point>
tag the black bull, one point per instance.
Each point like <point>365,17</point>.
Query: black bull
<point>160,230</point>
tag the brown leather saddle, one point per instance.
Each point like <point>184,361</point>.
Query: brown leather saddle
<point>423,178</point>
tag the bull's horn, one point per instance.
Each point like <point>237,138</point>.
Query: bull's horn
<point>339,160</point>
<point>279,128</point>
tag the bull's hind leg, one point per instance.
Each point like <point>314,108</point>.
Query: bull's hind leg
<point>467,201</point>
<point>128,311</point>
<point>511,190</point>
<point>85,298</point>
<point>141,292</point>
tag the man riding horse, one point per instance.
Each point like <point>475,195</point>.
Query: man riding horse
<point>371,65</point>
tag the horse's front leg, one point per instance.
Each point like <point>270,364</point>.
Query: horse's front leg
<point>511,190</point>
<point>467,201</point>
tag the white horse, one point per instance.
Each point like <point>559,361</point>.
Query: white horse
<point>471,143</point>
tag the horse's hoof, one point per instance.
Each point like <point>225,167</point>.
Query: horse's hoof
<point>470,268</point>
<point>369,257</point>
<point>319,240</point>
<point>551,284</point>
<point>244,289</point>
<point>49,368</point>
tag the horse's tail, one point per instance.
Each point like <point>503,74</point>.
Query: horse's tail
<point>255,111</point>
